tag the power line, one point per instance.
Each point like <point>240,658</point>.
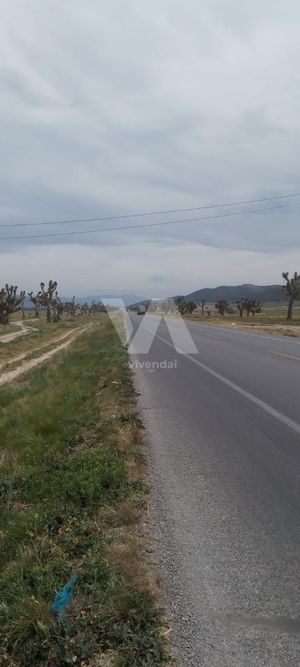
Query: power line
<point>147,213</point>
<point>150,224</point>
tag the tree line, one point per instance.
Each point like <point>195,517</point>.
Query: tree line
<point>45,299</point>
<point>244,306</point>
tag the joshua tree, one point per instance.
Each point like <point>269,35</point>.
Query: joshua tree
<point>48,298</point>
<point>73,306</point>
<point>9,302</point>
<point>292,288</point>
<point>241,306</point>
<point>99,307</point>
<point>167,306</point>
<point>221,306</point>
<point>202,303</point>
<point>35,301</point>
<point>190,307</point>
<point>152,307</point>
<point>256,307</point>
<point>180,304</point>
<point>248,306</point>
<point>184,307</point>
<point>70,307</point>
<point>22,297</point>
<point>57,308</point>
<point>84,309</point>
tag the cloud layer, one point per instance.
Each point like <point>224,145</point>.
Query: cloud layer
<point>123,107</point>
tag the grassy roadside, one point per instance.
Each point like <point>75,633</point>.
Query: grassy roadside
<point>272,320</point>
<point>72,495</point>
<point>267,316</point>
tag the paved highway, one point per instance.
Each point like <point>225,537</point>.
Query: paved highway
<point>223,426</point>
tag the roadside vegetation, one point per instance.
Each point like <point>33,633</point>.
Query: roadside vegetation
<point>46,299</point>
<point>72,495</point>
<point>41,324</point>
<point>271,318</point>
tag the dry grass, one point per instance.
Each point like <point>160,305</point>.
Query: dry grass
<point>126,436</point>
<point>107,659</point>
<point>269,316</point>
<point>124,555</point>
<point>135,468</point>
<point>127,513</point>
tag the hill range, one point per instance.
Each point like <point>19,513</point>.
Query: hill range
<point>232,293</point>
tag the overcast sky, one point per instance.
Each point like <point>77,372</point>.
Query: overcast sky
<point>111,108</point>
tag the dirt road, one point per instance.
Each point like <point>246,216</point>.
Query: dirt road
<point>9,376</point>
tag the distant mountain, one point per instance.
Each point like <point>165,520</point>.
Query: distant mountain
<point>232,293</point>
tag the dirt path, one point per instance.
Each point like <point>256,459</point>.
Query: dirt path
<point>9,376</point>
<point>9,362</point>
<point>24,331</point>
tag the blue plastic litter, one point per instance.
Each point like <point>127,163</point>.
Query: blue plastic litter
<point>64,597</point>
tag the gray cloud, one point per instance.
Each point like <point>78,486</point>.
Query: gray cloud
<point>127,107</point>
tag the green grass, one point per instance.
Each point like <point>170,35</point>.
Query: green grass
<point>269,316</point>
<point>66,498</point>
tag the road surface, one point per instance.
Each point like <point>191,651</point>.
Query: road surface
<point>223,426</point>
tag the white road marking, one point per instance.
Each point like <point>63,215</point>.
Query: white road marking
<point>213,336</point>
<point>282,354</point>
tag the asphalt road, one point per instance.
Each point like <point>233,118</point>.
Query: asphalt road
<point>223,426</point>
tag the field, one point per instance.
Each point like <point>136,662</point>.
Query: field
<point>40,333</point>
<point>73,495</point>
<point>271,318</point>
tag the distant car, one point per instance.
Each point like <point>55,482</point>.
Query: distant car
<point>141,310</point>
